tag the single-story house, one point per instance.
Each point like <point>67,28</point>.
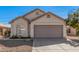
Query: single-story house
<point>38,24</point>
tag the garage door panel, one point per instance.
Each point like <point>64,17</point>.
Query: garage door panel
<point>48,31</point>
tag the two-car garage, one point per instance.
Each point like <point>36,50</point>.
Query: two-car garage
<point>48,31</point>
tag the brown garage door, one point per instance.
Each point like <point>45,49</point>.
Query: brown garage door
<point>48,31</point>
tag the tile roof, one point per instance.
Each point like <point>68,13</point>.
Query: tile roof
<point>36,17</point>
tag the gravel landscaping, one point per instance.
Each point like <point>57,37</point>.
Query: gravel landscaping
<point>16,45</point>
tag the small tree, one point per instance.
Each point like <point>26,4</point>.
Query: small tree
<point>73,20</point>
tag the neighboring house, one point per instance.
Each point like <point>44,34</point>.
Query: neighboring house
<point>71,31</point>
<point>3,31</point>
<point>38,24</point>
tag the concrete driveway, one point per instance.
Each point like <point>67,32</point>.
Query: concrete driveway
<point>53,45</point>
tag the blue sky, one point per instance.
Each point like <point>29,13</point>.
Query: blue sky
<point>7,13</point>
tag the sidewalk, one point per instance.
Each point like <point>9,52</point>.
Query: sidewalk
<point>73,37</point>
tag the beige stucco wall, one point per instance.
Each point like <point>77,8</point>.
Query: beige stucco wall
<point>24,27</point>
<point>47,21</point>
<point>34,14</point>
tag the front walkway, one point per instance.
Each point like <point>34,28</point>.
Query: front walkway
<point>50,45</point>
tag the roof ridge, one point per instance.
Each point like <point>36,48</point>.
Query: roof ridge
<point>19,17</point>
<point>48,13</point>
<point>56,15</point>
<point>33,11</point>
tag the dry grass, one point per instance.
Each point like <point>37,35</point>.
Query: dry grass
<point>15,46</point>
